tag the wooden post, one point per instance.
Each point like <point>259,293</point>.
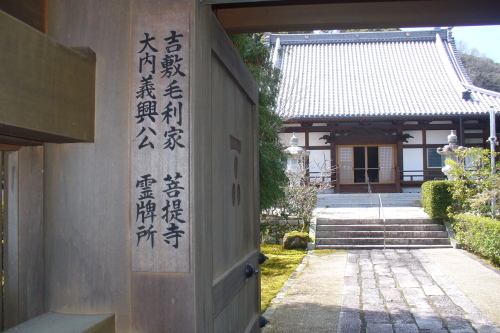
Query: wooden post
<point>2,222</point>
<point>11,247</point>
<point>24,296</point>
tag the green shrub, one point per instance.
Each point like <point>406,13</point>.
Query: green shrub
<point>436,197</point>
<point>296,233</point>
<point>478,234</point>
<point>476,185</point>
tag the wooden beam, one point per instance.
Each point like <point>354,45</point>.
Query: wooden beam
<point>7,147</point>
<point>31,12</point>
<point>48,90</point>
<point>9,140</point>
<point>219,2</point>
<point>380,14</point>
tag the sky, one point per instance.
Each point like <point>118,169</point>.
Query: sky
<point>486,39</point>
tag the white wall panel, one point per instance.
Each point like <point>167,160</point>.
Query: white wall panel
<point>413,159</point>
<point>285,138</point>
<point>315,141</point>
<point>474,141</point>
<point>437,136</point>
<point>319,160</point>
<point>441,122</point>
<point>417,138</point>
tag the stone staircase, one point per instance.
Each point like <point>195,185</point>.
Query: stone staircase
<point>369,200</point>
<point>355,221</point>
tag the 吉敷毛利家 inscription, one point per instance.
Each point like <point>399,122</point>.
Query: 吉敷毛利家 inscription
<point>160,185</point>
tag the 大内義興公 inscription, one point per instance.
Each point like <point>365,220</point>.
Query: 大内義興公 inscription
<point>160,228</point>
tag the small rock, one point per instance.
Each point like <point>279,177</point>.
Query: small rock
<point>295,241</point>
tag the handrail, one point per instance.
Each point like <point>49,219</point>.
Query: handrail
<point>369,189</point>
<point>381,213</point>
<point>324,177</point>
<point>420,175</point>
<point>404,175</point>
<point>401,177</point>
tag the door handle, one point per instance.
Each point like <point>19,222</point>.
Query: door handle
<point>262,258</point>
<point>263,321</point>
<point>250,271</point>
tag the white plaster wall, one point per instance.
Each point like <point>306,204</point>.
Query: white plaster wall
<point>437,136</point>
<point>315,141</point>
<point>474,141</point>
<point>411,190</point>
<point>413,159</point>
<point>318,160</point>
<point>417,138</point>
<point>285,138</point>
<point>441,122</point>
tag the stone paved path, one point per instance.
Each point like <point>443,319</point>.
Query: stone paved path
<point>403,291</point>
<point>310,302</point>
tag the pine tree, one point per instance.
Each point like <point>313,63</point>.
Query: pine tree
<point>271,152</point>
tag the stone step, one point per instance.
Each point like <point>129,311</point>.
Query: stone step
<point>368,204</point>
<point>369,200</point>
<point>365,247</point>
<point>380,227</point>
<point>329,221</point>
<point>383,196</point>
<point>388,234</point>
<point>380,241</point>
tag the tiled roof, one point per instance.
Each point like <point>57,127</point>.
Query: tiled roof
<point>378,74</point>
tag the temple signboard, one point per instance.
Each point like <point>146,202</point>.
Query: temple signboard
<point>159,103</point>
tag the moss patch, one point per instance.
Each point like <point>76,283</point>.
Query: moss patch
<point>327,251</point>
<point>277,269</point>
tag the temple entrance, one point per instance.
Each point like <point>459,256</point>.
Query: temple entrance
<point>365,167</point>
<point>70,236</point>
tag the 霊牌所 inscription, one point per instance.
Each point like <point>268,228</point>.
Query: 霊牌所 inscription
<point>160,186</point>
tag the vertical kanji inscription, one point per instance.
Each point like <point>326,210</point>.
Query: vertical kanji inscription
<point>160,182</point>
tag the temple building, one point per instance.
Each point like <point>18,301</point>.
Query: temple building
<point>375,106</point>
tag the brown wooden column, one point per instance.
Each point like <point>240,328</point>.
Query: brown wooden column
<point>399,158</point>
<point>24,255</point>
<point>333,156</point>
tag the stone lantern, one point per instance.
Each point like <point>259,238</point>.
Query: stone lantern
<point>450,151</point>
<point>296,157</point>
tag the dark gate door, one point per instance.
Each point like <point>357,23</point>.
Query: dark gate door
<point>235,216</point>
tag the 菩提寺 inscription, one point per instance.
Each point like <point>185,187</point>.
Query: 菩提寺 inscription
<point>160,183</point>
